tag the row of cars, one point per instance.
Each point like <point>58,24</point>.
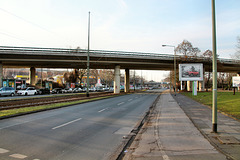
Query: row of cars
<point>9,91</point>
<point>78,90</point>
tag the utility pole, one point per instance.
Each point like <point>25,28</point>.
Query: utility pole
<point>214,63</point>
<point>88,54</point>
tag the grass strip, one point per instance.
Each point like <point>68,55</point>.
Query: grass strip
<point>19,111</point>
<point>226,101</point>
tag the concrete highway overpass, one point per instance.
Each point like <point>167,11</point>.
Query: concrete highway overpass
<point>29,57</point>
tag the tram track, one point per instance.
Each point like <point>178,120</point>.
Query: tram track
<point>32,102</point>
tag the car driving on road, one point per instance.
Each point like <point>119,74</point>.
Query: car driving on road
<point>27,91</point>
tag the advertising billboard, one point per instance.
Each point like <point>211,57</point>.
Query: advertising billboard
<point>236,81</point>
<point>191,72</point>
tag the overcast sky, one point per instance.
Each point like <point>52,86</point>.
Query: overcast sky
<point>127,25</point>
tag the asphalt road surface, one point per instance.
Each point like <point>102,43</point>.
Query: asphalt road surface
<point>87,131</point>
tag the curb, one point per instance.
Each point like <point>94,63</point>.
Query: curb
<point>131,137</point>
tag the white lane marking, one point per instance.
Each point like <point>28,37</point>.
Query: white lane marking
<point>136,97</point>
<point>3,150</point>
<point>19,156</point>
<point>120,103</point>
<point>102,110</point>
<point>67,123</point>
<point>130,100</point>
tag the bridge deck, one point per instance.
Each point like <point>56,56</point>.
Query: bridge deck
<point>101,59</point>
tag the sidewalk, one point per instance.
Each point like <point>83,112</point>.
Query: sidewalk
<point>174,133</point>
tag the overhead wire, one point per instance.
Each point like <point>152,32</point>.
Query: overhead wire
<point>27,21</point>
<point>15,37</point>
<point>34,24</point>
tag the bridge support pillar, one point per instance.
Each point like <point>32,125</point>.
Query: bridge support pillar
<point>188,85</point>
<point>127,82</point>
<point>117,79</point>
<point>32,75</point>
<point>1,74</point>
<point>201,85</point>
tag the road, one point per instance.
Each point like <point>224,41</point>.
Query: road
<point>90,131</point>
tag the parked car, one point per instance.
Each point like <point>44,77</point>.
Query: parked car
<point>93,89</point>
<point>67,90</point>
<point>99,89</point>
<point>44,91</point>
<point>7,91</point>
<point>27,91</point>
<point>77,90</point>
<point>105,89</point>
<point>57,91</point>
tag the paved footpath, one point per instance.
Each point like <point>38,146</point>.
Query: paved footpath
<point>180,129</point>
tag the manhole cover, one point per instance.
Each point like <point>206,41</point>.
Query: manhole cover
<point>228,140</point>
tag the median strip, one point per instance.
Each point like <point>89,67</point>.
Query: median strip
<point>28,110</point>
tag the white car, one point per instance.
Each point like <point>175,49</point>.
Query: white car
<point>27,91</point>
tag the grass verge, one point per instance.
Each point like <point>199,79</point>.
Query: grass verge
<point>21,111</point>
<point>226,101</point>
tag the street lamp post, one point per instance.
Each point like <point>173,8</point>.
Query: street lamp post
<point>87,94</point>
<point>214,63</point>
<point>174,66</point>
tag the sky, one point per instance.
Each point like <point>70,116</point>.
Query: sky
<point>124,25</point>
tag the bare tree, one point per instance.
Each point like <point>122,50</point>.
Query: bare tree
<point>187,49</point>
<point>82,72</point>
<point>237,54</point>
<point>208,57</point>
<point>107,76</point>
<point>75,75</point>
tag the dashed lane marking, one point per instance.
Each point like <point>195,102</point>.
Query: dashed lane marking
<point>130,100</point>
<point>3,150</point>
<point>120,103</point>
<point>19,156</point>
<point>62,125</point>
<point>102,110</point>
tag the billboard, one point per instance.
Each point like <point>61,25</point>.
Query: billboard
<point>191,72</point>
<point>236,81</point>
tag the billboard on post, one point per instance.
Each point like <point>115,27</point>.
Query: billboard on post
<point>191,72</point>
<point>236,81</point>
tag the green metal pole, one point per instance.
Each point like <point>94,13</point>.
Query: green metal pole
<point>214,61</point>
<point>88,55</point>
